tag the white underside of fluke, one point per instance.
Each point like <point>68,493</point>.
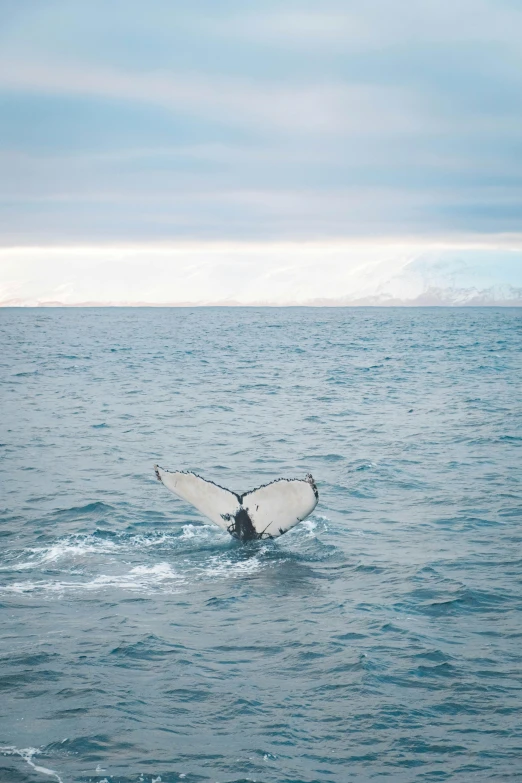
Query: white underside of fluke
<point>266,512</point>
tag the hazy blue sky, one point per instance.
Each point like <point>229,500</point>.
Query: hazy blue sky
<point>269,120</point>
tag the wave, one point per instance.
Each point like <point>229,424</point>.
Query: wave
<point>27,755</point>
<point>162,577</point>
<point>73,547</point>
<point>139,579</point>
<point>86,563</point>
<point>202,532</point>
<point>227,567</point>
<point>151,578</point>
<point>81,546</point>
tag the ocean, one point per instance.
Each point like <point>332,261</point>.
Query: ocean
<point>380,639</point>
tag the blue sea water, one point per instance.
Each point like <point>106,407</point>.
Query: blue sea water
<point>381,639</point>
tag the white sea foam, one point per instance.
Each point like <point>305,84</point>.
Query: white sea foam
<point>27,755</point>
<point>220,566</point>
<point>77,548</point>
<point>200,531</point>
<point>310,526</point>
<point>320,518</point>
<point>140,579</point>
<point>143,540</point>
<point>70,548</point>
<point>66,555</point>
<point>145,579</point>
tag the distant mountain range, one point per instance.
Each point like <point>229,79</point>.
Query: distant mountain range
<point>433,297</point>
<point>450,279</point>
<point>443,277</point>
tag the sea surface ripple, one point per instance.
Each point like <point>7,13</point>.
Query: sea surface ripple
<point>379,639</point>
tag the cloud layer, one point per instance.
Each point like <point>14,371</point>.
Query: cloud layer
<point>165,121</point>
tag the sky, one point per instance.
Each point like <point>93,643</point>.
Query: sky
<point>363,129</point>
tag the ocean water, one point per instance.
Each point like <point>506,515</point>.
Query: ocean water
<point>381,639</point>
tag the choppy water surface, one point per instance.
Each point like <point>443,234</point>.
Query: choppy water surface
<point>380,639</point>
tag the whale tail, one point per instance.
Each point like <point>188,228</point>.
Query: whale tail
<point>265,512</point>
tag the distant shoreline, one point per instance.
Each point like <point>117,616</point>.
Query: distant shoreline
<point>258,305</point>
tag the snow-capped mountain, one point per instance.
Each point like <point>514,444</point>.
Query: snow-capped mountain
<point>333,274</point>
<point>448,278</point>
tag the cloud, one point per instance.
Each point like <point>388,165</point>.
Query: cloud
<point>234,121</point>
<point>317,109</point>
<point>373,25</point>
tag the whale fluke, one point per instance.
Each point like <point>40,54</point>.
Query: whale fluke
<point>265,512</point>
